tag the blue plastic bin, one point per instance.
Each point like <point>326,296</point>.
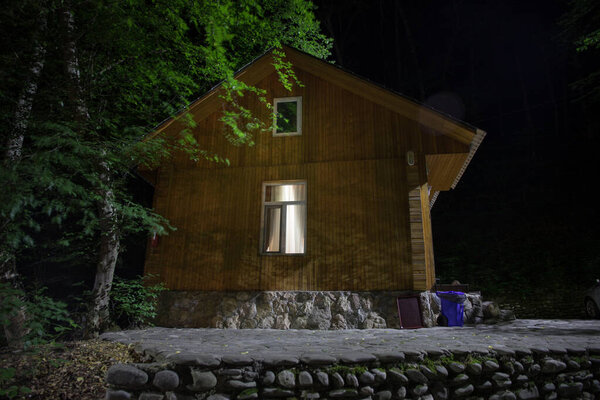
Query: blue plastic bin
<point>453,307</point>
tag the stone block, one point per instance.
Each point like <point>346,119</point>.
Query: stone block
<point>357,358</point>
<point>237,360</point>
<point>281,360</point>
<point>318,359</point>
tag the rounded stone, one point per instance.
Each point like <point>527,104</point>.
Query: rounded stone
<point>501,380</point>
<point>305,379</point>
<point>416,376</point>
<point>338,381</point>
<point>166,380</point>
<point>126,376</point>
<point>570,389</point>
<point>548,387</point>
<point>508,395</point>
<point>464,391</point>
<point>474,368</point>
<point>528,393</point>
<point>380,375</point>
<point>240,385</point>
<point>420,390</point>
<point>401,392</point>
<point>151,396</point>
<point>519,368</point>
<point>343,393</point>
<point>351,380</point>
<point>487,385</point>
<point>269,378</point>
<point>459,380</point>
<point>397,376</point>
<point>535,369</point>
<point>428,373</point>
<point>117,395</point>
<point>322,379</point>
<point>573,365</point>
<point>522,379</point>
<point>441,370</point>
<point>202,381</point>
<point>552,366</point>
<point>383,395</point>
<point>277,392</point>
<point>218,396</point>
<point>366,391</point>
<point>366,378</point>
<point>286,379</point>
<point>490,366</point>
<point>439,391</point>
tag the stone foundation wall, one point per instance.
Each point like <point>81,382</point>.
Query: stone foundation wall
<point>435,374</point>
<point>297,310</point>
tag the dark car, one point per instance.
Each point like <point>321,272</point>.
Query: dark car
<point>592,301</point>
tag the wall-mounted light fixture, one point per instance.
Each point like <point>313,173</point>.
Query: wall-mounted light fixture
<point>410,157</point>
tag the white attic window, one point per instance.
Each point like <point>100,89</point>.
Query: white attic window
<point>287,116</point>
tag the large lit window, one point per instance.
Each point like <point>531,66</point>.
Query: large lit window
<point>284,217</point>
<point>287,114</point>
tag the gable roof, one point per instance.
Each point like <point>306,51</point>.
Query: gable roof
<point>454,164</point>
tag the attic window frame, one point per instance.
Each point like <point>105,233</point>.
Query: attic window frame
<point>298,100</point>
<point>281,205</point>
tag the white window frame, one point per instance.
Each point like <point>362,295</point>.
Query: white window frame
<point>278,100</point>
<point>282,222</point>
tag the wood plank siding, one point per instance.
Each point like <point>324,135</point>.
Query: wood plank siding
<point>368,223</point>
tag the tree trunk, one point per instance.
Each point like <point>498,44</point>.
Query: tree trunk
<point>16,329</point>
<point>109,235</point>
<point>109,252</point>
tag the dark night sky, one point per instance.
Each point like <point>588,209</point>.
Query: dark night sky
<point>504,67</point>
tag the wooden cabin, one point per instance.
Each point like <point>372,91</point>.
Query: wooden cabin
<point>338,197</point>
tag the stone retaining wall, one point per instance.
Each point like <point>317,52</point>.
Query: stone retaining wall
<point>297,310</point>
<point>435,374</point>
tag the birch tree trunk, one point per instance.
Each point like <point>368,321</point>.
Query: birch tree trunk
<point>109,235</point>
<point>16,329</point>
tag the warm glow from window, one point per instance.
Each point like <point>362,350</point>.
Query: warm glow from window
<point>284,218</point>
